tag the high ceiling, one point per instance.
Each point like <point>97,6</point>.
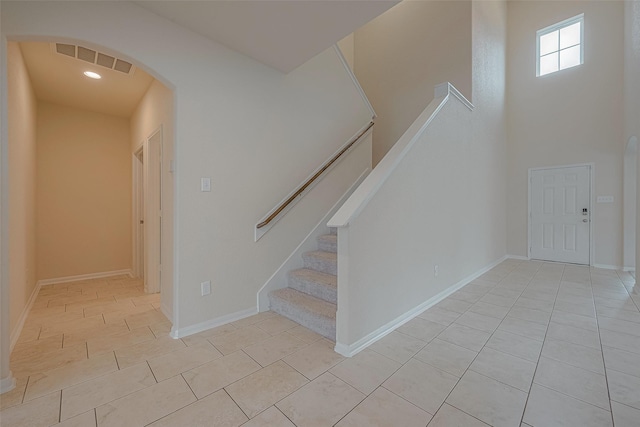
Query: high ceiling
<point>282,34</point>
<point>59,79</point>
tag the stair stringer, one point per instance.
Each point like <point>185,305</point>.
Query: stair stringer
<point>278,279</point>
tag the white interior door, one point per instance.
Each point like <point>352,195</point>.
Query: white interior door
<point>153,212</point>
<point>560,214</point>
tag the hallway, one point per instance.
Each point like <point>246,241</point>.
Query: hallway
<point>528,343</point>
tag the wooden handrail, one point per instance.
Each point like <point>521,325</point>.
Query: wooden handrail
<point>315,176</point>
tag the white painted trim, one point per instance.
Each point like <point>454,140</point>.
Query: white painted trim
<point>278,280</point>
<point>17,330</point>
<point>55,281</point>
<point>259,232</point>
<point>608,267</point>
<point>8,383</point>
<point>519,257</point>
<point>355,81</point>
<point>370,186</point>
<point>628,269</point>
<point>592,173</point>
<point>444,89</point>
<point>213,323</point>
<point>349,350</point>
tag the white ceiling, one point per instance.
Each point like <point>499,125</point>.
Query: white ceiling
<point>58,79</point>
<point>282,34</point>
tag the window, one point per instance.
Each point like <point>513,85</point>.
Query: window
<point>560,46</point>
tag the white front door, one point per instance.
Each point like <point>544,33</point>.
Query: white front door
<point>560,214</point>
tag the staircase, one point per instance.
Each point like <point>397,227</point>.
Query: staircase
<point>311,297</point>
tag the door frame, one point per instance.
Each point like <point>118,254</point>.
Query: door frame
<point>138,213</point>
<point>591,168</point>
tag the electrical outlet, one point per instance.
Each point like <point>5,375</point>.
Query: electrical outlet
<point>436,270</point>
<point>205,287</point>
<point>205,184</point>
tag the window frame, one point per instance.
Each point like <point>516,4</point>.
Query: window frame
<point>557,27</point>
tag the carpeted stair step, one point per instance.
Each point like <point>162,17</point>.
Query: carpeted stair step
<point>326,262</point>
<point>315,283</point>
<point>328,243</point>
<point>310,312</point>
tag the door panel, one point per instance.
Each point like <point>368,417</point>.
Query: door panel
<point>560,217</point>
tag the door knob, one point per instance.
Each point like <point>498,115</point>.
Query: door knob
<point>585,220</point>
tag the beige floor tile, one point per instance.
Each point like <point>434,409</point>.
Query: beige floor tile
<point>422,329</point>
<point>323,402</point>
<point>129,356</point>
<point>238,339</point>
<point>146,299</point>
<point>71,326</point>
<point>622,361</point>
<point>272,417</point>
<point>219,373</point>
<point>573,335</point>
<point>439,315</point>
<point>577,355</point>
<point>251,320</point>
<point>209,333</point>
<point>479,321</point>
<point>115,339</point>
<point>276,325</point>
<point>274,348</point>
<point>421,384</point>
<point>57,300</point>
<point>108,307</point>
<point>448,357</point>
<point>182,360</point>
<point>315,359</point>
<point>493,298</point>
<point>449,416</point>
<point>65,376</point>
<point>530,314</point>
<point>42,412</point>
<point>472,339</point>
<point>366,370</point>
<point>29,333</point>
<point>90,394</point>
<point>625,416</point>
<point>88,419</point>
<point>42,362</point>
<point>82,305</point>
<point>525,328</point>
<point>397,346</point>
<point>263,388</point>
<point>624,388</point>
<point>580,309</point>
<point>44,345</point>
<point>616,313</point>
<point>161,329</point>
<point>533,304</point>
<point>216,409</point>
<point>466,296</point>
<point>383,408</point>
<point>575,382</point>
<point>490,310</point>
<point>547,407</point>
<point>145,319</point>
<point>454,305</point>
<point>617,325</point>
<point>491,401</point>
<point>627,304</point>
<point>158,401</point>
<point>620,341</point>
<point>575,320</point>
<point>102,331</point>
<point>304,334</point>
<point>15,396</point>
<point>505,368</point>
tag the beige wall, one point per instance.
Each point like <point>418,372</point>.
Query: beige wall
<point>155,110</point>
<point>573,116</point>
<point>401,55</point>
<point>22,113</point>
<point>84,192</point>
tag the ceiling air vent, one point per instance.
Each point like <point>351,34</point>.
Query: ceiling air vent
<point>94,57</point>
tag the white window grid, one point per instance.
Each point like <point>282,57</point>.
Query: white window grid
<point>557,27</point>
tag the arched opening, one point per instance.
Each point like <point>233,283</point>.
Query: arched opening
<point>630,206</point>
<point>149,125</point>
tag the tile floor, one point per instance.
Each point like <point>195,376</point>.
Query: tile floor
<point>526,344</point>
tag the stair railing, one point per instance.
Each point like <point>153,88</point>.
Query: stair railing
<point>281,209</point>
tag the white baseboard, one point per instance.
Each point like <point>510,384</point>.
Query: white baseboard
<point>17,330</point>
<point>520,257</point>
<point>628,269</point>
<point>607,267</point>
<point>102,275</point>
<point>349,350</point>
<point>8,383</point>
<point>278,280</point>
<point>219,321</point>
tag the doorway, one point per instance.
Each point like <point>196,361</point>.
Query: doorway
<point>560,214</point>
<point>629,203</point>
<point>147,212</point>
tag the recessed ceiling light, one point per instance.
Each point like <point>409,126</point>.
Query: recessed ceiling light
<point>92,75</point>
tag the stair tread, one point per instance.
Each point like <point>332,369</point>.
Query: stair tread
<point>316,276</point>
<point>306,301</point>
<point>324,255</point>
<point>329,238</point>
